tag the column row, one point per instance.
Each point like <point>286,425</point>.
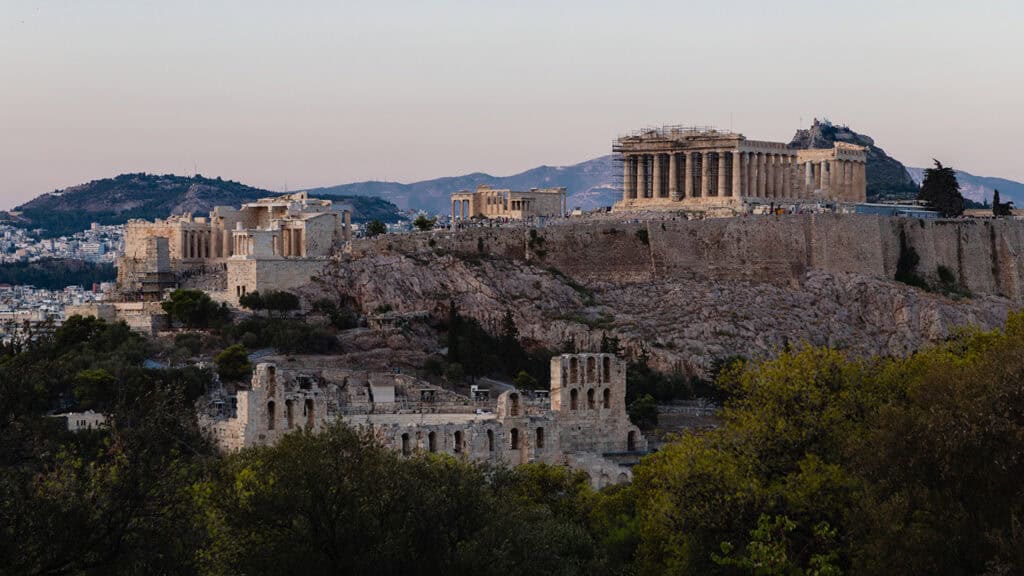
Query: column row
<point>195,244</point>
<point>840,179</point>
<point>730,173</point>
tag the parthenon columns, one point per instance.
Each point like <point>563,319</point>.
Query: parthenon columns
<point>656,180</point>
<point>673,176</point>
<point>689,172</point>
<point>737,174</point>
<point>705,175</point>
<point>723,184</point>
<point>641,177</point>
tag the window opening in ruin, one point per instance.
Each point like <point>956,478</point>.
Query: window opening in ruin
<point>515,438</point>
<point>270,415</point>
<point>490,440</point>
<point>310,413</point>
<point>513,404</point>
<point>405,445</point>
<point>458,441</point>
<point>272,375</point>
<point>590,399</point>
<point>607,398</point>
<point>574,370</point>
<point>540,437</point>
<point>289,411</point>
<point>607,368</point>
<point>631,441</point>
<point>432,442</point>
<point>574,399</point>
<point>591,369</point>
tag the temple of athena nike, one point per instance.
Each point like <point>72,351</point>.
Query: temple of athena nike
<point>678,167</point>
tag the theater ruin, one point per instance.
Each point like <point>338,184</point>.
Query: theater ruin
<point>580,421</point>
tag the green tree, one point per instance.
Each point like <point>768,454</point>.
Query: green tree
<point>194,309</point>
<point>1000,208</point>
<point>252,301</point>
<point>375,228</point>
<point>643,412</point>
<point>422,223</point>
<point>524,381</point>
<point>941,190</point>
<point>233,363</point>
<point>280,301</point>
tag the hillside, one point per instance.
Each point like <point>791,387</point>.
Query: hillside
<point>590,184</point>
<point>979,188</point>
<point>148,196</point>
<point>887,177</point>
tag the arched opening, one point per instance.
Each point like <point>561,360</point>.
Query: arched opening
<point>513,404</point>
<point>540,438</point>
<point>590,399</point>
<point>289,411</point>
<point>514,444</point>
<point>310,413</point>
<point>490,440</point>
<point>458,441</point>
<point>271,414</point>
<point>406,448</point>
<point>574,370</point>
<point>591,369</point>
<point>432,442</point>
<point>574,399</point>
<point>607,398</point>
<point>623,478</point>
<point>631,441</point>
<point>606,369</point>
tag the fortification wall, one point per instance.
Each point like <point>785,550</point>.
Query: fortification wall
<point>984,256</point>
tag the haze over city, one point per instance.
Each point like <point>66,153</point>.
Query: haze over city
<point>324,93</point>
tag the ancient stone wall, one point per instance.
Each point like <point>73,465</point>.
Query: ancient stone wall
<point>985,256</point>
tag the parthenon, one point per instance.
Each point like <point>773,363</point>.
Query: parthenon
<point>672,166</point>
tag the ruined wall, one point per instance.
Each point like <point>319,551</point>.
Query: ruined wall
<point>277,274</point>
<point>985,256</point>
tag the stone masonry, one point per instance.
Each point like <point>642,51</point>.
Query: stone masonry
<point>489,202</point>
<point>273,243</point>
<point>580,422</point>
<point>674,167</point>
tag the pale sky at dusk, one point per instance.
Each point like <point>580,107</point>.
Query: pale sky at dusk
<point>313,93</point>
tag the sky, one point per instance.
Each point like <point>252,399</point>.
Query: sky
<point>290,95</point>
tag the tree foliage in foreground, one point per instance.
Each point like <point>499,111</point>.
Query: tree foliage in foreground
<point>821,466</point>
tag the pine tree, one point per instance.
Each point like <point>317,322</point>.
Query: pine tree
<point>941,190</point>
<point>995,203</point>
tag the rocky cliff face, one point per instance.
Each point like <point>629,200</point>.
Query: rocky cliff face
<point>688,293</point>
<point>888,179</point>
<point>682,324</point>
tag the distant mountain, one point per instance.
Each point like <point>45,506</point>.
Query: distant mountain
<point>589,184</point>
<point>887,178</point>
<point>149,196</point>
<point>979,188</point>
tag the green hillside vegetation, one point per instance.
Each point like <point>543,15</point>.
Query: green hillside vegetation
<point>149,196</point>
<point>822,465</point>
<point>57,274</point>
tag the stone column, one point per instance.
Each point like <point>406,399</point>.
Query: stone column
<point>787,178</point>
<point>808,179</point>
<point>826,176</point>
<point>723,184</point>
<point>750,161</point>
<point>688,166</point>
<point>347,222</point>
<point>705,174</point>
<point>625,179</point>
<point>656,181</point>
<point>641,176</point>
<point>758,175</point>
<point>673,177</point>
<point>737,174</point>
<point>769,176</point>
